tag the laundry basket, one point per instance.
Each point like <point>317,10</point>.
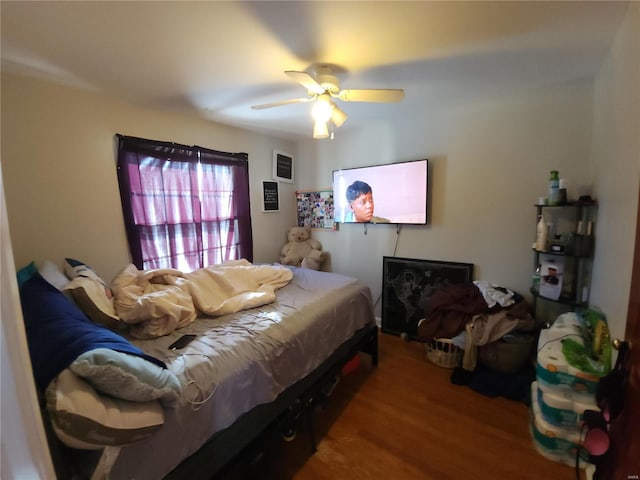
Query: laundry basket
<point>443,352</point>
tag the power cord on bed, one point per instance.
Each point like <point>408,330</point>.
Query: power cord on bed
<point>195,404</point>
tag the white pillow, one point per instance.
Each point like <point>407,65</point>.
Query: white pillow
<point>52,274</point>
<point>75,268</point>
<point>127,376</point>
<point>91,296</point>
<point>84,419</point>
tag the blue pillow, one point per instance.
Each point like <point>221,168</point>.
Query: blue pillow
<point>25,273</point>
<point>58,331</point>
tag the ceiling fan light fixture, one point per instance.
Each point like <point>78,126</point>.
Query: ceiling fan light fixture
<point>322,89</point>
<point>321,111</point>
<point>320,130</point>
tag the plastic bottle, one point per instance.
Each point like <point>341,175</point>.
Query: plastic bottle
<point>563,191</point>
<point>542,234</point>
<point>536,280</point>
<point>554,188</point>
<point>578,242</point>
<point>587,239</point>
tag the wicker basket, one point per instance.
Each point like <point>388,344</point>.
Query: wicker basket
<point>443,352</point>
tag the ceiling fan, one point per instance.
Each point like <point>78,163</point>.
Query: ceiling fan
<point>325,87</point>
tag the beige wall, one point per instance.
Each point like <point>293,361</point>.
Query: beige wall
<point>616,171</point>
<point>490,162</point>
<point>58,155</point>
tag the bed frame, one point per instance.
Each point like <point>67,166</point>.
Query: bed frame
<point>234,441</point>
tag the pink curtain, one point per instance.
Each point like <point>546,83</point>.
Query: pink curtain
<point>185,207</point>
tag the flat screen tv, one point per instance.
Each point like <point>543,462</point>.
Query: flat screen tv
<point>392,193</point>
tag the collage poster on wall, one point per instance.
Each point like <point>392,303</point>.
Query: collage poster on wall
<point>315,209</point>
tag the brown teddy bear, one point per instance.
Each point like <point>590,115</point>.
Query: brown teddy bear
<point>301,250</point>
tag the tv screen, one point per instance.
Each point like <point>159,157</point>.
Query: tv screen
<point>391,193</point>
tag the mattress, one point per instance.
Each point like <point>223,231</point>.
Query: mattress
<point>240,361</point>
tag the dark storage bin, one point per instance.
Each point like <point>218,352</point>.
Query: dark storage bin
<point>509,354</point>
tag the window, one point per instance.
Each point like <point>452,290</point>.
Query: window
<point>185,207</point>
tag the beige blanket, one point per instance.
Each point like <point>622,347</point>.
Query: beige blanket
<point>156,302</point>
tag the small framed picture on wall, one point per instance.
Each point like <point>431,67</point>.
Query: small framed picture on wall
<point>270,197</point>
<point>282,166</point>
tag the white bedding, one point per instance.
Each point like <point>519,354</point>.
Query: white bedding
<point>245,359</point>
<point>156,302</point>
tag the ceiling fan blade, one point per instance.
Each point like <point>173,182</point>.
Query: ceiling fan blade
<point>338,117</point>
<point>372,95</point>
<point>306,80</point>
<point>283,102</point>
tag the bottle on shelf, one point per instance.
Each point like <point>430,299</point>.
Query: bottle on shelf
<point>554,188</point>
<point>587,240</point>
<point>577,239</point>
<point>542,235</point>
<point>563,191</point>
<point>583,238</point>
<point>536,280</point>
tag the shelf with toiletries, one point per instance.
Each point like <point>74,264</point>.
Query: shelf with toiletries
<point>563,255</point>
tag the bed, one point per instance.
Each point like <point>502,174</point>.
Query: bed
<point>239,377</point>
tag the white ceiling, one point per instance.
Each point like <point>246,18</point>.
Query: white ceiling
<point>219,58</point>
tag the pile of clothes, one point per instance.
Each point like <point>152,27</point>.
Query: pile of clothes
<point>474,314</point>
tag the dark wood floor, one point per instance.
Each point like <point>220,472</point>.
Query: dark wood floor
<point>406,420</point>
